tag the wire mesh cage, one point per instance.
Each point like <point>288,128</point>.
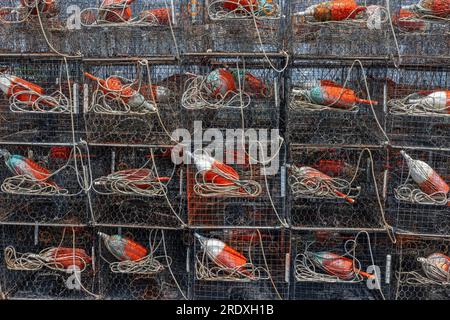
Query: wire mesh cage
<point>39,100</point>
<point>340,28</point>
<point>334,103</point>
<point>145,27</point>
<point>155,269</point>
<point>233,187</point>
<point>30,26</point>
<point>43,184</point>
<point>235,26</point>
<point>48,262</point>
<point>421,28</point>
<point>136,187</point>
<point>336,187</point>
<point>231,93</point>
<point>240,264</point>
<point>418,106</point>
<point>132,103</point>
<point>341,265</point>
<point>418,191</point>
<point>421,269</point>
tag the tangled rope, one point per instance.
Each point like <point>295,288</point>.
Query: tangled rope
<point>197,96</point>
<point>36,261</point>
<point>113,101</point>
<point>120,183</point>
<point>22,13</point>
<point>57,102</point>
<point>305,185</point>
<point>402,106</point>
<point>233,188</point>
<point>411,193</point>
<point>148,265</point>
<point>23,184</point>
<point>216,11</point>
<point>433,275</point>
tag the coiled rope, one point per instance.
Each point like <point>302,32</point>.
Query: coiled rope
<point>402,106</point>
<point>236,188</point>
<point>197,96</point>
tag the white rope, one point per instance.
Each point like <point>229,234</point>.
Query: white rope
<point>422,106</point>
<point>56,102</point>
<point>22,14</point>
<point>301,100</point>
<point>208,268</point>
<point>198,96</point>
<point>432,275</point>
<point>216,11</point>
<point>235,188</point>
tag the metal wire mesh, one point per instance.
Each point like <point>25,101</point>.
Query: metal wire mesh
<point>254,102</point>
<point>409,269</point>
<point>367,34</point>
<point>76,28</point>
<point>59,199</point>
<point>216,27</point>
<point>350,202</point>
<point>325,124</point>
<point>110,116</point>
<point>421,36</point>
<point>264,249</point>
<point>256,197</point>
<point>413,125</point>
<point>316,288</point>
<point>167,247</point>
<point>416,214</point>
<point>47,117</point>
<point>147,202</point>
<point>46,283</point>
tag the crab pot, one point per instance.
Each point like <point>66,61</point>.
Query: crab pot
<point>56,124</point>
<point>408,269</point>
<point>417,128</point>
<point>267,251</point>
<point>259,203</point>
<point>255,103</point>
<point>26,35</point>
<point>161,283</point>
<point>408,213</point>
<point>422,38</point>
<point>223,31</point>
<point>136,206</point>
<point>329,125</point>
<point>319,208</point>
<point>364,36</point>
<point>59,200</point>
<point>138,36</point>
<point>46,283</point>
<point>316,287</point>
<point>124,125</point>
